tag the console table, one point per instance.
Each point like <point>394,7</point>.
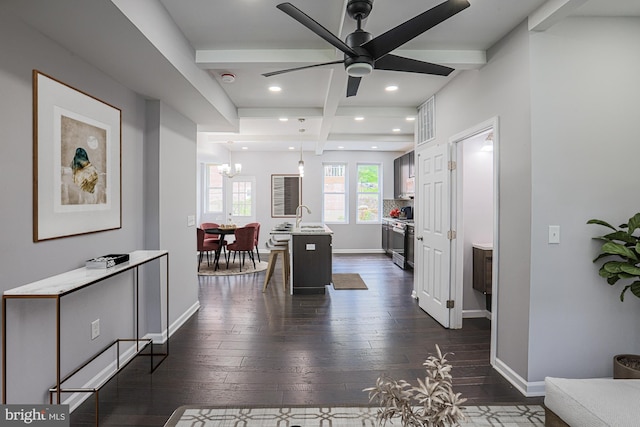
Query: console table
<point>58,286</point>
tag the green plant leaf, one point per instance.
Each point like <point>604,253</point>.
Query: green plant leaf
<point>600,222</point>
<point>630,269</point>
<point>634,223</point>
<point>622,236</point>
<point>612,267</point>
<point>635,288</point>
<point>618,249</point>
<point>599,257</point>
<point>613,279</point>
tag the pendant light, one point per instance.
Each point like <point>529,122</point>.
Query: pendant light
<point>226,170</point>
<point>301,162</point>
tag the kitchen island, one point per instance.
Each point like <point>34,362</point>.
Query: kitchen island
<point>310,257</point>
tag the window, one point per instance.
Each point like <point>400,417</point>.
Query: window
<point>242,198</point>
<point>214,196</point>
<point>334,193</point>
<point>368,198</point>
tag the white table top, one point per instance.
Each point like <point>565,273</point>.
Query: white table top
<point>69,281</point>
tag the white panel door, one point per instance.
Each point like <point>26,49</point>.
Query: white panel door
<point>433,247</point>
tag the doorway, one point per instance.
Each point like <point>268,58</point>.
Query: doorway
<point>445,293</point>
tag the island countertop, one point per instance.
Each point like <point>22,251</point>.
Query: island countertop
<point>311,228</point>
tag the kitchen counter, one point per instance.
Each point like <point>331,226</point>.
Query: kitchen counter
<point>310,250</point>
<point>311,229</point>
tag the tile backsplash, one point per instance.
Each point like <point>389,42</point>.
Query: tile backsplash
<point>391,204</point>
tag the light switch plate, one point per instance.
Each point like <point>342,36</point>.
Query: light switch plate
<point>191,220</point>
<point>554,234</point>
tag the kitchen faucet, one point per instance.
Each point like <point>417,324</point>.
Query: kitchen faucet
<point>299,214</point>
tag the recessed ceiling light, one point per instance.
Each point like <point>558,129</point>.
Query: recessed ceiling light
<point>275,88</point>
<point>396,129</point>
<point>340,147</point>
<point>358,119</point>
<point>292,148</point>
<point>245,148</point>
<point>391,88</point>
<point>411,119</point>
<point>284,119</point>
<point>374,147</point>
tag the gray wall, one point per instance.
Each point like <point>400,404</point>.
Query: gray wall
<point>585,154</point>
<point>31,348</point>
<point>501,88</point>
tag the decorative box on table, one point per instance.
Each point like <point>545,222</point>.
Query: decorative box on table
<point>107,261</point>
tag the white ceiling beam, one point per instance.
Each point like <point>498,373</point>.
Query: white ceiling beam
<point>269,113</point>
<point>248,58</point>
<point>376,111</point>
<point>552,12</point>
<point>407,137</point>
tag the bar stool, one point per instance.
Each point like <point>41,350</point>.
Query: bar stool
<point>277,247</point>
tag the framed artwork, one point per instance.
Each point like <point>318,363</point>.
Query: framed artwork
<point>286,193</point>
<point>76,161</point>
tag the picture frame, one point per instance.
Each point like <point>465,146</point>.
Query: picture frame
<point>77,163</point>
<point>286,194</point>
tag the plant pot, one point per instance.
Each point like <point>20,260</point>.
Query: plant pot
<point>626,366</point>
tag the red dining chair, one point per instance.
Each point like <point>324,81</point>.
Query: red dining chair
<point>214,237</point>
<point>244,243</point>
<point>205,246</point>
<point>256,225</point>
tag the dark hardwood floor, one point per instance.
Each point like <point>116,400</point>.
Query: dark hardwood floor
<point>245,347</point>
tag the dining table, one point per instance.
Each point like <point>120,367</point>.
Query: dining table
<point>223,232</point>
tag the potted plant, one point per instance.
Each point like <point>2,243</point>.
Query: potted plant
<point>621,249</point>
<point>432,403</point>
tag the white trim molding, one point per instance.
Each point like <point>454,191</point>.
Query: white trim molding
<point>528,389</point>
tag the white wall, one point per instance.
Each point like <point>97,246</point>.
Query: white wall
<point>477,167</point>
<point>585,154</point>
<point>351,237</point>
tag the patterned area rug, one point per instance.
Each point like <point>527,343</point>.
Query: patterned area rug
<point>234,268</point>
<point>210,416</point>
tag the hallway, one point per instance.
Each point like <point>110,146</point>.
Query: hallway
<point>244,347</point>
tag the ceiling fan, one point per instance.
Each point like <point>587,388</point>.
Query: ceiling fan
<point>363,53</point>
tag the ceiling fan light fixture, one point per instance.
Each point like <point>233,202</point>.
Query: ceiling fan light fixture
<point>359,69</point>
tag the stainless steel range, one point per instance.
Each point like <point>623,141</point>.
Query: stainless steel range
<point>399,241</point>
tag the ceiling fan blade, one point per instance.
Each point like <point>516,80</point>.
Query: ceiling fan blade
<point>308,22</point>
<point>274,73</point>
<point>400,63</point>
<point>352,86</point>
<point>396,37</point>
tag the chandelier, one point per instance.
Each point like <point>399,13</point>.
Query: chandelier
<point>226,169</point>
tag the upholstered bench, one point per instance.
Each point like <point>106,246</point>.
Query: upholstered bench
<point>593,402</point>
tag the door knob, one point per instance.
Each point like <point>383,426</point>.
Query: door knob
<point>419,237</point>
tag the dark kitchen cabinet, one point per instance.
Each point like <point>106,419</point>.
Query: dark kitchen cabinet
<point>482,266</point>
<point>403,176</point>
<point>312,264</point>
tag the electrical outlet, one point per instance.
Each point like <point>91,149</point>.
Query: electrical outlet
<point>95,329</point>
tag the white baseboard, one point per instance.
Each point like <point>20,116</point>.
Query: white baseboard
<point>528,389</point>
<point>476,314</point>
<point>161,338</point>
<point>76,399</point>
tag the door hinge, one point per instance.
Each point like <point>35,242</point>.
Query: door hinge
<point>452,165</point>
<point>451,234</point>
<point>450,303</point>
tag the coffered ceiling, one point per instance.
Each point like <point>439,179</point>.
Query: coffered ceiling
<point>178,50</point>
